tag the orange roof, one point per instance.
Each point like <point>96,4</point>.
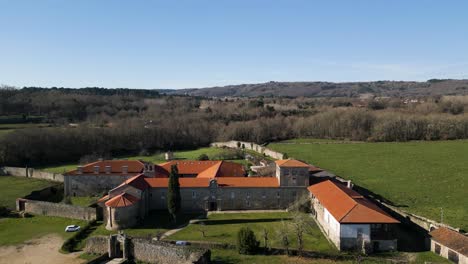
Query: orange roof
<point>348,206</point>
<point>137,182</point>
<point>291,163</point>
<point>184,182</point>
<point>451,239</point>
<point>122,200</point>
<point>134,166</point>
<point>103,199</point>
<point>248,182</point>
<point>205,168</point>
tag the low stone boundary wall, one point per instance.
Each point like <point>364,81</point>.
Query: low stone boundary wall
<point>56,209</point>
<point>31,173</point>
<point>162,252</point>
<point>97,245</point>
<point>249,145</point>
<point>149,251</point>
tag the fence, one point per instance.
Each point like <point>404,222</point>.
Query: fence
<point>250,146</point>
<point>31,173</point>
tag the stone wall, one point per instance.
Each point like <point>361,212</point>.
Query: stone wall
<point>56,209</point>
<point>229,198</point>
<point>161,253</point>
<point>96,245</point>
<point>31,173</point>
<point>92,184</point>
<point>251,146</point>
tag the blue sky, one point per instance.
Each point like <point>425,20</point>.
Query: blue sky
<point>184,44</point>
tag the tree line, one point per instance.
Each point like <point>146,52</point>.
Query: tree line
<point>113,123</point>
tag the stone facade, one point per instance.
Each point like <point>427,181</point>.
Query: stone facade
<point>92,184</point>
<point>448,253</point>
<point>31,173</point>
<point>251,146</point>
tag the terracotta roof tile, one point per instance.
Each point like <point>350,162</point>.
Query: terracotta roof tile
<point>205,168</point>
<point>347,205</point>
<point>134,166</point>
<point>261,182</point>
<point>184,182</point>
<point>103,199</point>
<point>137,181</point>
<point>291,163</point>
<point>451,239</point>
<point>122,200</point>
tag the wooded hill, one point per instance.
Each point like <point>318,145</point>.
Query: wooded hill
<point>330,89</point>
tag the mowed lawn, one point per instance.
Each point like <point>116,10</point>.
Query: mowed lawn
<point>420,177</point>
<point>18,230</point>
<point>157,158</point>
<point>16,187</point>
<point>223,228</point>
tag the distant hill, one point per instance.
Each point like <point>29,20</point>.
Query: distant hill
<point>330,89</point>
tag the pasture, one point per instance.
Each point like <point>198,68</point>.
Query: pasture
<point>16,187</point>
<point>428,178</point>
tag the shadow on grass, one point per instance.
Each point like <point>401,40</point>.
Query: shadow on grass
<point>243,221</point>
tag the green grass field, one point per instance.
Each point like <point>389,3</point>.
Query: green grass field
<point>223,228</point>
<point>157,158</point>
<point>156,222</point>
<point>420,177</point>
<point>84,201</point>
<point>16,187</point>
<point>18,230</point>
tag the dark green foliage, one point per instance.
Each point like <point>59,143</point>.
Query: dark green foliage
<point>246,241</point>
<point>173,193</point>
<point>4,211</point>
<point>203,157</point>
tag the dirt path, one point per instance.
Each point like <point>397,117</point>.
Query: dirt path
<point>38,251</point>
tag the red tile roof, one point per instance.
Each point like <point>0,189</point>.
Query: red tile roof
<point>103,199</point>
<point>261,182</point>
<point>137,181</point>
<point>348,206</point>
<point>291,163</point>
<point>134,167</point>
<point>122,200</point>
<point>205,168</point>
<point>184,182</point>
<point>451,239</point>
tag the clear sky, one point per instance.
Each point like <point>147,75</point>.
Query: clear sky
<point>184,44</point>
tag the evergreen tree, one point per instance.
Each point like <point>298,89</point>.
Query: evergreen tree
<point>173,193</point>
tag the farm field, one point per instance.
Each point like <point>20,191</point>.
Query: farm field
<point>157,158</point>
<point>18,230</point>
<point>15,187</point>
<point>419,177</point>
<point>223,228</point>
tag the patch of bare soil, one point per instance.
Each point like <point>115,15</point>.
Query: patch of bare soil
<point>38,251</point>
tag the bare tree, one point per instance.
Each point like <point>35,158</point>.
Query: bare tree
<point>265,238</point>
<point>283,236</point>
<point>201,227</point>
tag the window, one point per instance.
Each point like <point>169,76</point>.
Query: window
<point>263,194</point>
<point>163,195</point>
<point>194,194</point>
<point>277,194</point>
<point>294,180</point>
<point>437,248</point>
<point>248,195</point>
<point>453,256</point>
<point>232,195</point>
<point>96,169</point>
<point>248,203</point>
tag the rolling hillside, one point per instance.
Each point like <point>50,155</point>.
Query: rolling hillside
<point>329,89</point>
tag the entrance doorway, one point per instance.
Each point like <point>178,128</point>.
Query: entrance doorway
<point>213,206</point>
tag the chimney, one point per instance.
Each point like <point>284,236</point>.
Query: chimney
<point>101,159</point>
<point>96,169</point>
<point>108,169</point>
<point>79,170</point>
<point>349,184</point>
<point>124,169</point>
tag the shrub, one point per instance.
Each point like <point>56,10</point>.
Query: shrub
<point>4,211</point>
<point>246,241</point>
<point>203,157</point>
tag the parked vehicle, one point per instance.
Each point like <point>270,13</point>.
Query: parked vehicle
<point>182,243</point>
<point>72,228</point>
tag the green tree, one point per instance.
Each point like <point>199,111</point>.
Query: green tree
<point>246,241</point>
<point>173,193</point>
<point>203,157</point>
